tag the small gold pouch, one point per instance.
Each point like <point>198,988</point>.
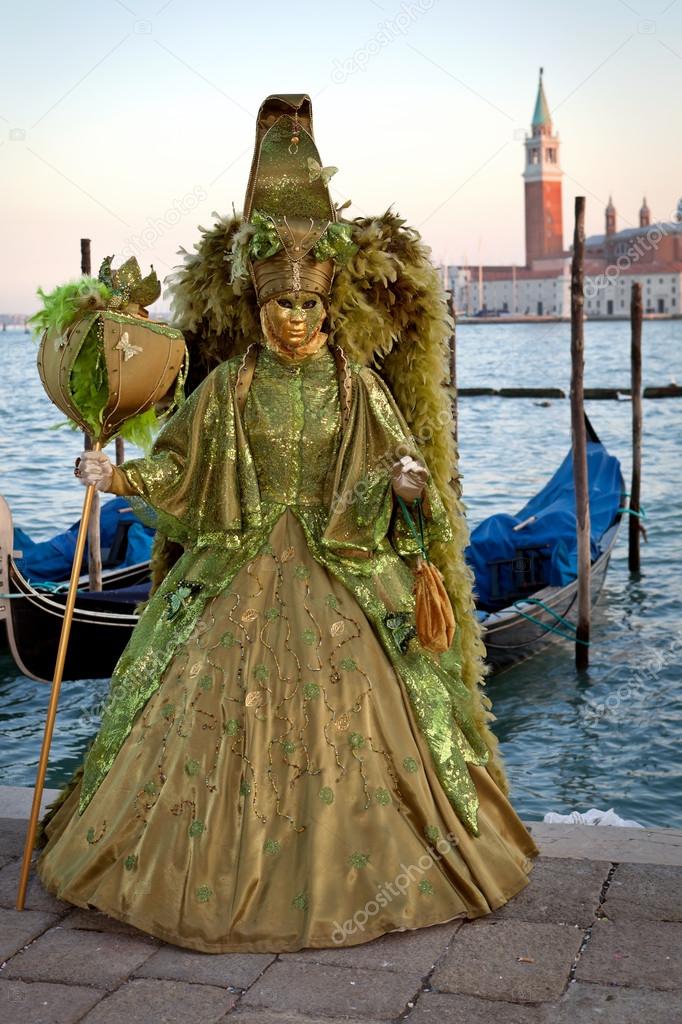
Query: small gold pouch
<point>434,616</point>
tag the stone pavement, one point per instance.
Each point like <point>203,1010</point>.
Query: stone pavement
<point>596,936</point>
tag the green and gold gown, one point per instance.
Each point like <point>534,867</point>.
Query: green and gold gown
<point>280,765</point>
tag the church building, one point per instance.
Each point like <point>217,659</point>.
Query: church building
<point>650,252</point>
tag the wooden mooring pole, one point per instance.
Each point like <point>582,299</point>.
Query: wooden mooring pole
<point>94,535</point>
<point>634,527</point>
<point>579,438</point>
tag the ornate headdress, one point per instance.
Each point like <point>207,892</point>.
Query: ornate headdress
<point>291,236</point>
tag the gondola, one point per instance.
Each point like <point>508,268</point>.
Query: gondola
<point>521,608</point>
<point>33,615</point>
<point>521,615</point>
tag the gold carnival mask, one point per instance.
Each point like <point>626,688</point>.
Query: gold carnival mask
<point>292,324</point>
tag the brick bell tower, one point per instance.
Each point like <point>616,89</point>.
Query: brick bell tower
<point>542,177</point>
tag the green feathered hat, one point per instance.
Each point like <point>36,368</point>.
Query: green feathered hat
<point>291,239</point>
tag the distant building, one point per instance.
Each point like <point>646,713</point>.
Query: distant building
<point>13,320</point>
<point>542,184</point>
<point>650,253</point>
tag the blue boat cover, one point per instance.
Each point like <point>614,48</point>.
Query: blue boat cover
<point>509,564</point>
<point>125,596</point>
<point>51,560</point>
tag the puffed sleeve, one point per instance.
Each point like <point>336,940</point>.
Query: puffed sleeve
<point>191,478</point>
<point>363,507</point>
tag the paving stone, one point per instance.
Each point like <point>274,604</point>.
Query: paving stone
<point>247,1015</point>
<point>151,1001</point>
<point>94,921</point>
<point>309,988</point>
<point>236,970</point>
<point>80,958</point>
<point>39,1003</point>
<point>642,954</point>
<point>607,1004</point>
<point>562,890</point>
<point>438,1008</point>
<point>12,836</point>
<point>415,951</point>
<point>484,960</point>
<point>618,845</point>
<point>5,860</point>
<point>37,898</point>
<point>648,892</point>
<point>16,801</point>
<point>19,927</point>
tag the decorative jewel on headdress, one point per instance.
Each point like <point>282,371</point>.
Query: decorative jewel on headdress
<point>296,275</point>
<point>295,136</point>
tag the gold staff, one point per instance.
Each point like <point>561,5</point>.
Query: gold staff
<point>54,694</point>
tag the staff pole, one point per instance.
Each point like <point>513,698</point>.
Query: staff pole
<point>54,694</point>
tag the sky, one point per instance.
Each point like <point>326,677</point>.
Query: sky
<point>132,122</point>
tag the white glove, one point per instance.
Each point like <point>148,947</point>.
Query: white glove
<point>409,477</point>
<point>94,468</point>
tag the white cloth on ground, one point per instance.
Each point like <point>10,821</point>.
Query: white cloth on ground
<point>592,817</point>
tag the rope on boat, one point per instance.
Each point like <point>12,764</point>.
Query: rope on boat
<point>46,587</point>
<point>633,512</point>
<point>642,512</point>
<point>547,625</point>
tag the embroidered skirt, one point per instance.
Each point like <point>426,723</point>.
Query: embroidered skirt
<point>276,792</point>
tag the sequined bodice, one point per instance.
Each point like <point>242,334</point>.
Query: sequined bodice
<point>293,424</point>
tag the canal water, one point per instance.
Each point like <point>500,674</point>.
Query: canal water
<point>607,738</point>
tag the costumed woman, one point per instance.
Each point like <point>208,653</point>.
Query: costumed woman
<point>295,751</point>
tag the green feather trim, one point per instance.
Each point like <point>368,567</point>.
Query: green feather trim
<point>90,392</point>
<point>140,430</point>
<point>67,302</point>
<point>88,383</point>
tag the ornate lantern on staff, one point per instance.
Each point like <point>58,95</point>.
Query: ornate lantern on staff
<point>102,361</point>
<point>109,368</point>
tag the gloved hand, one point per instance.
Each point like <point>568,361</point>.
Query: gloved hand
<point>94,468</point>
<point>409,478</point>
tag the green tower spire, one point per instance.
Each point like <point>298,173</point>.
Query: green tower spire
<point>542,119</point>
